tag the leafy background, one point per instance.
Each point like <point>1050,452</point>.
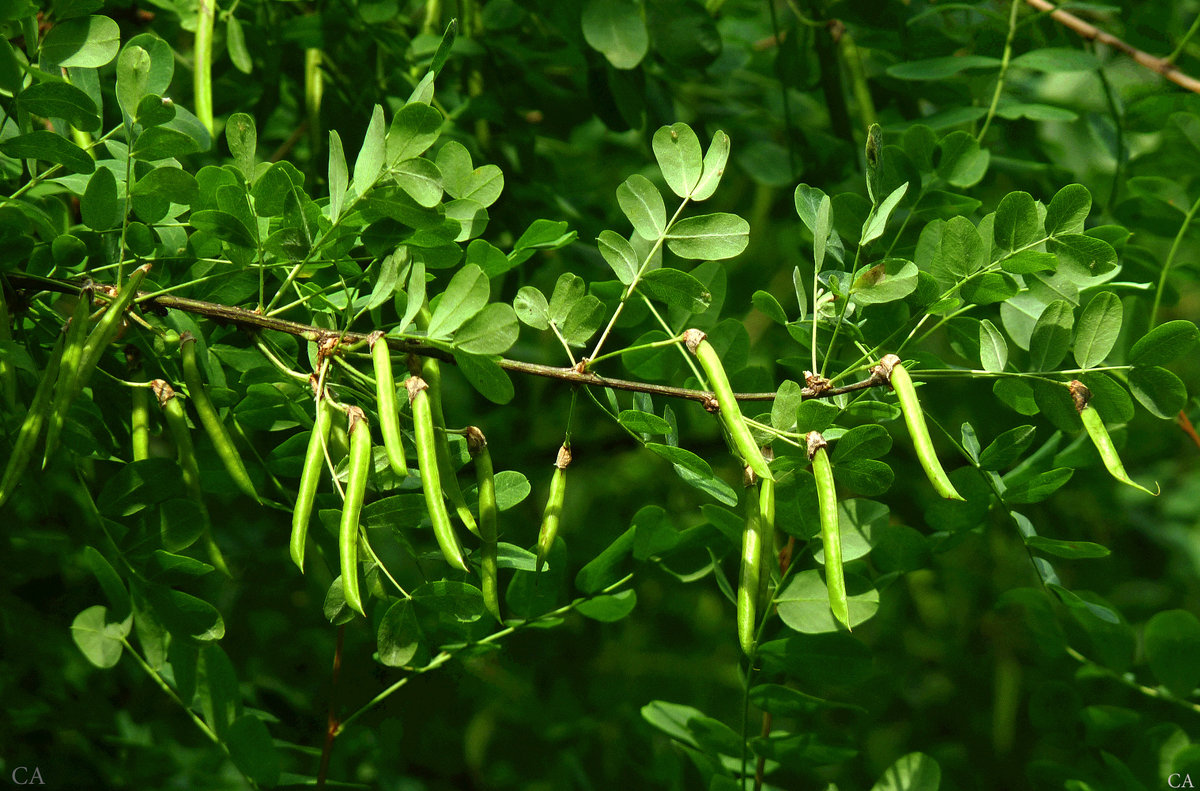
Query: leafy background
<point>968,659</point>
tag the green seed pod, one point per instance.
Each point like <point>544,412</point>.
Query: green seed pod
<point>176,420</point>
<point>750,570</point>
<point>385,395</point>
<point>139,417</point>
<point>488,517</point>
<point>831,533</point>
<point>139,424</point>
<point>31,428</point>
<point>65,388</point>
<point>1099,435</point>
<point>890,369</point>
<point>431,372</point>
<point>356,490</point>
<point>553,513</point>
<point>226,450</point>
<point>105,331</point>
<point>874,156</point>
<point>310,479</point>
<point>731,413</point>
<point>766,510</point>
<point>427,463</point>
<point>339,442</point>
<point>8,372</point>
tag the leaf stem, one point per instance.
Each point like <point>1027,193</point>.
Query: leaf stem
<point>446,655</point>
<point>1184,41</point>
<point>658,243</point>
<point>1162,277</point>
<point>639,347</point>
<point>1004,61</point>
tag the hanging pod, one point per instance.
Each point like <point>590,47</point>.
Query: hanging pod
<point>385,397</point>
<point>177,425</point>
<point>83,350</point>
<point>75,333</point>
<point>31,427</point>
<point>427,462</point>
<point>891,370</point>
<point>1098,433</point>
<point>356,490</point>
<point>731,413</point>
<point>139,415</point>
<point>310,478</point>
<point>8,372</point>
<point>770,540</point>
<point>488,517</point>
<point>139,424</point>
<point>554,503</point>
<point>226,450</point>
<point>750,570</point>
<point>105,331</point>
<point>831,534</point>
<point>431,372</point>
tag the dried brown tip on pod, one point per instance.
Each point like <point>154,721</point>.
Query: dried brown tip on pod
<point>354,416</point>
<point>186,337</point>
<point>564,458</point>
<point>476,440</point>
<point>414,384</point>
<point>162,391</point>
<point>1080,394</point>
<point>711,404</point>
<point>815,442</point>
<point>692,338</point>
<point>374,338</point>
<point>314,382</point>
<point>884,369</point>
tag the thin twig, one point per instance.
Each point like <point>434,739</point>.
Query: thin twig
<point>1163,66</point>
<point>1187,426</point>
<point>248,319</point>
<point>332,725</point>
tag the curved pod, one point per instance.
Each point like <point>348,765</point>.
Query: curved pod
<point>914,418</point>
<point>750,569</point>
<point>310,479</point>
<point>31,427</point>
<point>731,413</point>
<point>226,450</point>
<point>432,372</point>
<point>356,490</point>
<point>385,397</point>
<point>427,463</point>
<point>1098,433</point>
<point>552,516</point>
<point>176,420</point>
<point>105,331</point>
<point>831,534</point>
<point>66,387</point>
<point>488,518</point>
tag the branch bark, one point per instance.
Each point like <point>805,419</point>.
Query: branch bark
<point>1089,31</point>
<point>249,320</point>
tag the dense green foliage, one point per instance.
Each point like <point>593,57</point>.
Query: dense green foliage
<point>527,197</point>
